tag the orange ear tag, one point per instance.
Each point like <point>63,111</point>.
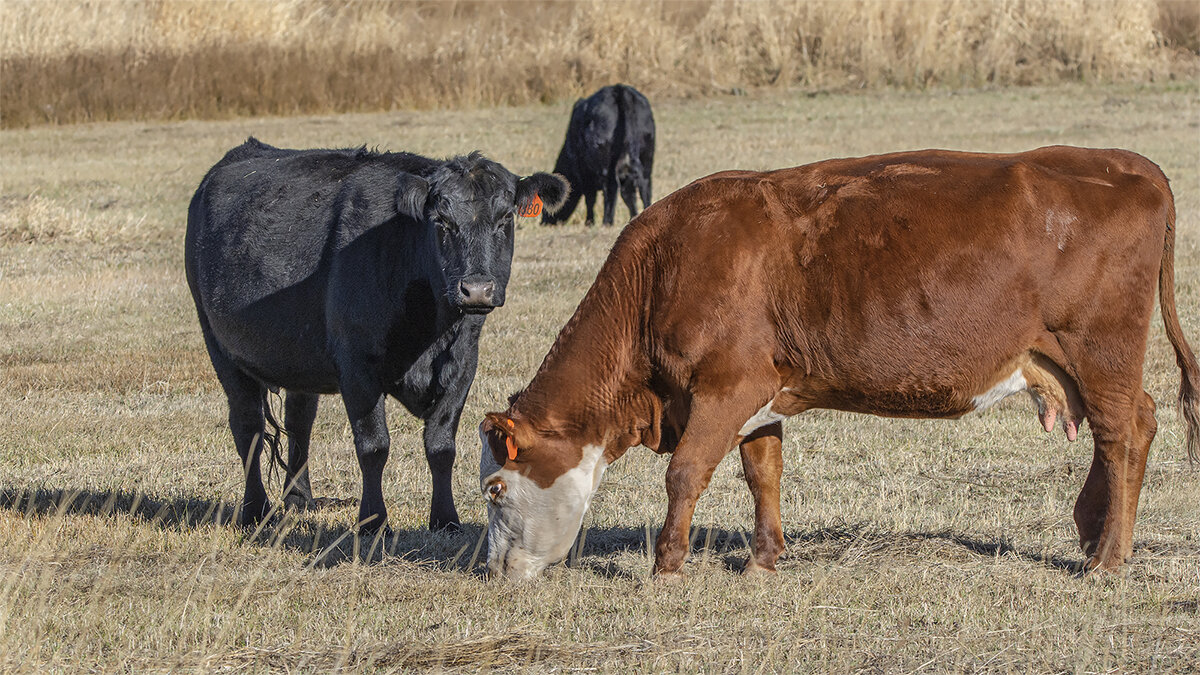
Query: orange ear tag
<point>534,209</point>
<point>512,448</point>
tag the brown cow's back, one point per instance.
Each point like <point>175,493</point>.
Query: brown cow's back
<point>901,284</point>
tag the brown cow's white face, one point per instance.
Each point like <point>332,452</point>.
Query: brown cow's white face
<point>530,527</point>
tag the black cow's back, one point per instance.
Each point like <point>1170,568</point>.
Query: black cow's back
<point>266,228</point>
<point>609,145</point>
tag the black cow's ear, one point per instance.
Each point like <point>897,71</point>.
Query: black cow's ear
<point>551,187</point>
<point>411,193</point>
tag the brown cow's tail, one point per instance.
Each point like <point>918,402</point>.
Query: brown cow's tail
<point>1189,385</point>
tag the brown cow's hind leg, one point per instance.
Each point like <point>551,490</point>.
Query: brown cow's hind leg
<point>762,462</point>
<point>1107,507</point>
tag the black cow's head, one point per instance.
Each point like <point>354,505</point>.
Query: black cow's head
<point>470,204</point>
<point>630,176</point>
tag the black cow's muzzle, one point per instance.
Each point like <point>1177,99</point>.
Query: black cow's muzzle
<point>477,295</point>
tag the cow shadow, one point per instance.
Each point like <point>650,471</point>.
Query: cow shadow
<point>303,532</point>
<point>830,544</point>
<point>323,545</point>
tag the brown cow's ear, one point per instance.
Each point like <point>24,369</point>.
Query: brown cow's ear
<point>504,430</point>
<point>492,431</point>
<point>550,187</point>
<point>498,421</point>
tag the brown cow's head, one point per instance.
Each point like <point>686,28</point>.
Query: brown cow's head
<point>538,486</point>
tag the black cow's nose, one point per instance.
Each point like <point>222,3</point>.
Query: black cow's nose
<point>477,292</point>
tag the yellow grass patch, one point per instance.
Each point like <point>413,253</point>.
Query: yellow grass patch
<point>71,60</point>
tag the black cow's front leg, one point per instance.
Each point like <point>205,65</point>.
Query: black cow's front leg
<point>455,373</point>
<point>440,430</point>
<point>441,427</point>
<point>368,422</point>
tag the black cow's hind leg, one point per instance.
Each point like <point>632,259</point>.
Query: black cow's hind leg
<point>610,197</point>
<point>589,200</point>
<point>245,396</point>
<point>644,188</point>
<point>299,412</point>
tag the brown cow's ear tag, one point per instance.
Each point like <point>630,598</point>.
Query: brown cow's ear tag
<point>508,439</point>
<point>532,211</point>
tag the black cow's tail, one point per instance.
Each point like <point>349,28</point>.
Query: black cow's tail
<point>1189,384</point>
<point>273,435</point>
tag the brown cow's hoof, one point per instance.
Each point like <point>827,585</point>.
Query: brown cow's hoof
<point>1096,566</point>
<point>669,578</point>
<point>753,569</point>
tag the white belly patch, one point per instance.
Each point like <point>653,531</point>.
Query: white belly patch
<point>1014,384</point>
<point>762,418</point>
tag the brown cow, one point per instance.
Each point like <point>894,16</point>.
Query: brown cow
<point>916,284</point>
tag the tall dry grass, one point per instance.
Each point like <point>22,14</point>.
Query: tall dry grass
<point>81,60</point>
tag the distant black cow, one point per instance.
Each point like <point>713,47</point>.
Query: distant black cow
<point>365,273</point>
<point>610,147</point>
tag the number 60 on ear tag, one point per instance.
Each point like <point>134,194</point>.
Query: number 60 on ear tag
<point>534,208</point>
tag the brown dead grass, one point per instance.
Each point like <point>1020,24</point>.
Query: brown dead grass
<point>913,545</point>
<point>72,60</point>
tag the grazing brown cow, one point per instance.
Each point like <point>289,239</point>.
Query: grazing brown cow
<point>916,284</point>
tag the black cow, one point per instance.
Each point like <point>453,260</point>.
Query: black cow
<point>610,147</point>
<point>365,273</point>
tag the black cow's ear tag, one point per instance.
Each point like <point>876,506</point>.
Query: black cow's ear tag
<point>533,209</point>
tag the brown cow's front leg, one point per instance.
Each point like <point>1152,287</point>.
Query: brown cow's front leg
<point>710,433</point>
<point>762,463</point>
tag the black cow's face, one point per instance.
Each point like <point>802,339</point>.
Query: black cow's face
<point>629,177</point>
<point>471,206</point>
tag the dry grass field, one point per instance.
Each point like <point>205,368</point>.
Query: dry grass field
<point>913,546</point>
<point>69,61</point>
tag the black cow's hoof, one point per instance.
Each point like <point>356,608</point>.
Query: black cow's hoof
<point>295,501</point>
<point>252,515</point>
<point>367,533</point>
<point>447,526</point>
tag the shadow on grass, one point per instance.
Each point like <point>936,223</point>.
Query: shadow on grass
<point>843,542</point>
<point>298,531</point>
<point>464,551</point>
